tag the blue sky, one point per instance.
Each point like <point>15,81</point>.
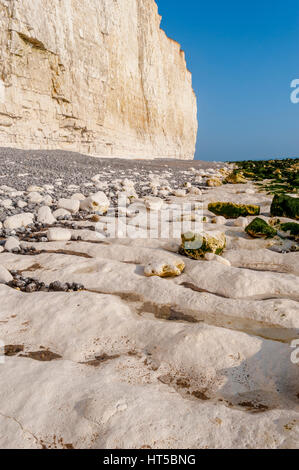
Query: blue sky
<point>243,56</point>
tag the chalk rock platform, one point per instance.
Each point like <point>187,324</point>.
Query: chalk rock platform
<point>198,360</point>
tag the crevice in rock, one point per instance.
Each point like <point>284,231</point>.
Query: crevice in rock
<point>22,427</point>
<point>66,252</point>
<point>33,42</point>
<point>193,287</point>
<point>171,313</point>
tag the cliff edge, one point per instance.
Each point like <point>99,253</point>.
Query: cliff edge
<point>94,76</point>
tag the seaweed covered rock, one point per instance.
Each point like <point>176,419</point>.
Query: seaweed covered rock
<point>259,228</point>
<point>196,245</point>
<point>214,182</point>
<point>291,229</point>
<point>230,210</point>
<point>285,206</point>
<point>235,177</point>
<point>164,269</point>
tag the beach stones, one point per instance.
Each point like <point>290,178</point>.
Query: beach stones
<point>285,206</point>
<point>34,189</point>
<point>12,244</point>
<point>6,203</point>
<point>58,234</point>
<point>164,269</point>
<point>213,182</point>
<point>35,197</point>
<point>19,220</point>
<point>45,216</point>
<point>30,285</point>
<point>48,201</point>
<point>21,204</point>
<point>230,210</point>
<point>259,228</point>
<point>95,202</point>
<point>71,205</point>
<point>78,196</point>
<point>196,245</point>
<point>60,213</point>
<point>180,193</point>
<point>153,203</point>
<point>195,191</point>
<point>235,178</point>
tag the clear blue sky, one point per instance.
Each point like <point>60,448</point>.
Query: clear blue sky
<point>243,55</point>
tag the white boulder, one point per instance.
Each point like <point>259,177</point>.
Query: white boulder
<point>48,187</point>
<point>35,197</point>
<point>34,189</point>
<point>6,203</point>
<point>45,216</point>
<point>60,213</point>
<point>78,196</point>
<point>71,205</point>
<point>47,200</point>
<point>195,191</point>
<point>96,178</point>
<point>19,220</point>
<point>11,244</point>
<point>153,203</point>
<point>180,193</point>
<point>95,202</point>
<point>21,204</point>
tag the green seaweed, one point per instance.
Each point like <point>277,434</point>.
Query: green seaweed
<point>235,177</point>
<point>195,245</point>
<point>285,206</point>
<point>230,210</point>
<point>259,228</point>
<point>291,227</point>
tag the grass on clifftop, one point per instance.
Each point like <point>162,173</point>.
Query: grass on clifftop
<point>272,176</point>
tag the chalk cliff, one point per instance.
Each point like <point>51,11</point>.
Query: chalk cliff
<point>95,76</point>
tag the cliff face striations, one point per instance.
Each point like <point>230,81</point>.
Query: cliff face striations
<point>94,76</point>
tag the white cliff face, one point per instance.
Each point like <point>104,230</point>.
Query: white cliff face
<point>95,76</point>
